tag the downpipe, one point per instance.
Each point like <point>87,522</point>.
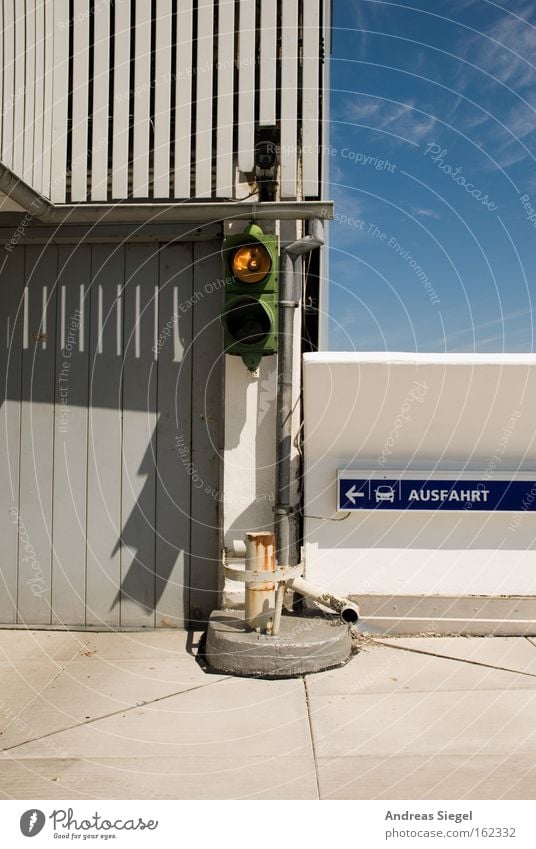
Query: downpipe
<point>285,511</point>
<point>289,302</point>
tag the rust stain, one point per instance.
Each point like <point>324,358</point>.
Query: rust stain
<point>264,553</point>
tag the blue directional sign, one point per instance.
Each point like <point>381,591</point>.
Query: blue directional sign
<point>435,491</point>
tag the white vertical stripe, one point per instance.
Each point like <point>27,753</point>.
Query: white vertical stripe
<point>101,70</point>
<point>162,101</point>
<point>100,328</point>
<point>48,97</point>
<point>225,106</point>
<point>81,340</point>
<point>29,96</point>
<point>62,317</point>
<point>20,83</point>
<point>137,323</point>
<point>246,87</point>
<point>142,95</point>
<point>59,100</point>
<point>177,347</point>
<point>9,84</point>
<point>80,101</point>
<point>155,347</point>
<point>44,317</point>
<point>119,321</point>
<point>204,100</point>
<point>311,97</point>
<point>38,152</point>
<point>26,319</point>
<point>289,99</point>
<point>268,79</point>
<point>121,100</point>
<point>183,100</point>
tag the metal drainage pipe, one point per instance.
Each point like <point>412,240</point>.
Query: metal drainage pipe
<point>347,610</point>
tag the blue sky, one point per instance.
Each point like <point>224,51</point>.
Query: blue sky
<point>433,171</point>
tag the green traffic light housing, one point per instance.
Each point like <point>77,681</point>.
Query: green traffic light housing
<point>251,294</point>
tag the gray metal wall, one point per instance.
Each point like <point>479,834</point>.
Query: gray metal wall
<point>110,357</point>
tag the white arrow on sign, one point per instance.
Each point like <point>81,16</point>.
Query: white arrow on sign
<point>352,494</point>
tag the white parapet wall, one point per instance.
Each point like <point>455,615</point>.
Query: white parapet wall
<point>443,414</point>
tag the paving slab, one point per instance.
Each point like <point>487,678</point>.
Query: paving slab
<point>141,645</point>
<point>380,669</point>
<point>221,719</point>
<point>515,653</point>
<point>40,645</point>
<point>432,777</point>
<point>499,723</point>
<point>235,777</point>
<point>20,683</point>
<point>90,688</point>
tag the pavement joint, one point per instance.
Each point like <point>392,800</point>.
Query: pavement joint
<point>456,659</point>
<point>113,713</point>
<point>62,667</point>
<point>312,736</point>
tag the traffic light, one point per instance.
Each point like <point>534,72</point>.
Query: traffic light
<point>251,293</point>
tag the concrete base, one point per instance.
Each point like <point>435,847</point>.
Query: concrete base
<point>305,644</point>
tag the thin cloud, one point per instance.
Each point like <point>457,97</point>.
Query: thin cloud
<point>404,120</point>
<point>425,213</point>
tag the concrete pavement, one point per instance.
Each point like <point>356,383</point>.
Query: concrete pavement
<point>134,715</point>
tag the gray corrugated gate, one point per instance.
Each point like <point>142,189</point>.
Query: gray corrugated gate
<point>110,433</point>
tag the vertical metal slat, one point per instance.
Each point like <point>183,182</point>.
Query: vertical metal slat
<point>80,102</point>
<point>183,100</point>
<point>9,83</point>
<point>59,101</point>
<point>204,101</point>
<point>268,78</point>
<point>142,95</point>
<point>225,105</point>
<point>48,82</point>
<point>246,87</point>
<point>101,88</point>
<point>289,99</point>
<point>121,101</point>
<point>29,94</point>
<point>38,150</point>
<point>311,97</point>
<point>20,85</point>
<point>162,104</point>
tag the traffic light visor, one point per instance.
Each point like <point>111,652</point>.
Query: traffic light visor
<point>251,263</point>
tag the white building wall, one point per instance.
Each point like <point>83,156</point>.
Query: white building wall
<point>419,412</point>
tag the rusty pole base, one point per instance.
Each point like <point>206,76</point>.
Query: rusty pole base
<point>305,644</point>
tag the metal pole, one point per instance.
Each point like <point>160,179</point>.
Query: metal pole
<point>260,598</point>
<point>289,301</point>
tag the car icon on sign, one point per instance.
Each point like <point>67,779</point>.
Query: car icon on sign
<point>385,493</point>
